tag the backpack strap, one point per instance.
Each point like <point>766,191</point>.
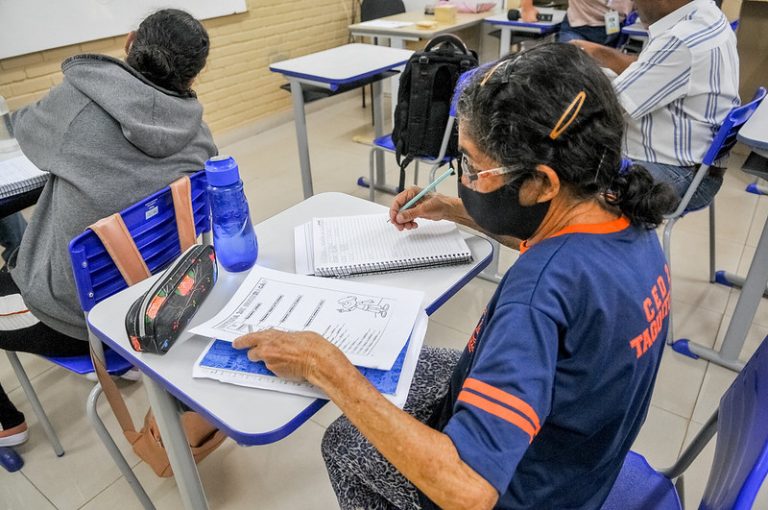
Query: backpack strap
<point>181,192</point>
<point>120,246</point>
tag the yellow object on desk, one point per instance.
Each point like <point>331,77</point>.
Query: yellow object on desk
<point>426,25</point>
<point>445,14</point>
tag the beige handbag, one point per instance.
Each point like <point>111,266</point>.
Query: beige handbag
<point>202,437</point>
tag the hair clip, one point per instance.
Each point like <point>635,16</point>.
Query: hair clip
<point>569,115</point>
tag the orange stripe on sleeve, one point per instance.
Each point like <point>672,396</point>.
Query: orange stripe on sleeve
<point>498,411</point>
<point>505,398</point>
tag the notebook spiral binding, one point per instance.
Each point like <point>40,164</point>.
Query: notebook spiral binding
<point>392,266</point>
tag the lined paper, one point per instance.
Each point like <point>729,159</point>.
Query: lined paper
<point>346,245</point>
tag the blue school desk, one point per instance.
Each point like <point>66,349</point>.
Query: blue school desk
<point>274,415</point>
<point>333,71</point>
<point>523,28</point>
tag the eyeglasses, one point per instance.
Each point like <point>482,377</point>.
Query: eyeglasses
<point>467,168</point>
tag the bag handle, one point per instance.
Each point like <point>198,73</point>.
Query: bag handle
<point>181,192</point>
<point>120,246</point>
<point>451,39</point>
<point>115,399</point>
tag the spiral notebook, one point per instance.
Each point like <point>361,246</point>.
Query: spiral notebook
<point>352,245</point>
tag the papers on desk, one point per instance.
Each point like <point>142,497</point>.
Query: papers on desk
<point>223,363</point>
<point>381,23</point>
<point>371,324</point>
<point>19,175</point>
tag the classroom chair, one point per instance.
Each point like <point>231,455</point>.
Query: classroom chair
<point>721,145</point>
<point>155,228</point>
<point>741,453</point>
<point>385,144</point>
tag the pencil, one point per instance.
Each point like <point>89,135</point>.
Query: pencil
<point>432,185</point>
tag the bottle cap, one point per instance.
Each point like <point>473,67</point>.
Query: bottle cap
<point>222,171</point>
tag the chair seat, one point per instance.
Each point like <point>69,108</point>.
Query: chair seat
<point>385,143</point>
<point>640,487</point>
<point>83,365</point>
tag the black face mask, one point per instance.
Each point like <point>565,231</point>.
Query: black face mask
<point>499,212</point>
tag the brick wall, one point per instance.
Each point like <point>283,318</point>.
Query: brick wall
<point>236,87</point>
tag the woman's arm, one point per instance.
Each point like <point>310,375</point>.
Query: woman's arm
<point>426,457</point>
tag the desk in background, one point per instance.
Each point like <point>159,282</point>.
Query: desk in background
<point>636,31</point>
<point>523,28</point>
<point>271,415</point>
<point>334,71</point>
<point>398,36</point>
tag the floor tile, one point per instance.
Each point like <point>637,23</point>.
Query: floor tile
<point>661,437</point>
<point>17,493</point>
<point>755,335</point>
<point>716,381</point>
<point>761,314</point>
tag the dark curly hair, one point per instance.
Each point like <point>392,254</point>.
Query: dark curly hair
<point>170,49</point>
<point>509,109</point>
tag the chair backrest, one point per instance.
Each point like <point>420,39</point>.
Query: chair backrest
<point>725,138</point>
<point>152,224</point>
<point>741,454</point>
<point>374,9</point>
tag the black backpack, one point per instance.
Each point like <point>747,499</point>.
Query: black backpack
<point>424,100</point>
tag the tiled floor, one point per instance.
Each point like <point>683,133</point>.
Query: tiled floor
<point>290,474</point>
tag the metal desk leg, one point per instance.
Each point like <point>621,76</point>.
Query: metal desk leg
<point>505,41</point>
<point>168,419</point>
<point>744,313</point>
<point>300,120</point>
<point>491,272</point>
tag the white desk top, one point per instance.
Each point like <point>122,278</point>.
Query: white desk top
<point>463,20</point>
<point>755,132</point>
<point>343,64</point>
<point>252,416</point>
<point>636,29</point>
<point>541,27</point>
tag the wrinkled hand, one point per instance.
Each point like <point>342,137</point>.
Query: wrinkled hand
<point>294,355</point>
<point>528,15</point>
<point>432,206</point>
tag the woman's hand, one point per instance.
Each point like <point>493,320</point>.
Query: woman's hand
<point>295,355</point>
<point>433,206</point>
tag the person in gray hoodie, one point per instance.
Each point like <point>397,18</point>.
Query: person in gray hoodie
<point>110,134</point>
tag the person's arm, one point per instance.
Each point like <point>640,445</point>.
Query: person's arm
<point>528,12</point>
<point>428,458</point>
<point>611,58</point>
<point>435,206</point>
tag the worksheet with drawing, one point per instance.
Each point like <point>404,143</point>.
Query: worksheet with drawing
<point>369,323</point>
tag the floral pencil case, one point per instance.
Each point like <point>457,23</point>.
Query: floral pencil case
<point>155,320</point>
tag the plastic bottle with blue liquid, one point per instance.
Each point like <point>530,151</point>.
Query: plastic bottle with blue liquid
<point>233,237</point>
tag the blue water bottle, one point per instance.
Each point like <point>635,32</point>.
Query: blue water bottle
<point>233,235</point>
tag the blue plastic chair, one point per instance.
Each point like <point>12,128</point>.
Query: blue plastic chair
<point>152,225</point>
<point>741,453</point>
<point>721,145</point>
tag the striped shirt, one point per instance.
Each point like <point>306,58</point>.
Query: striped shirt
<point>682,86</point>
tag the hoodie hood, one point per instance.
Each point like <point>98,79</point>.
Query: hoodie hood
<point>157,121</point>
